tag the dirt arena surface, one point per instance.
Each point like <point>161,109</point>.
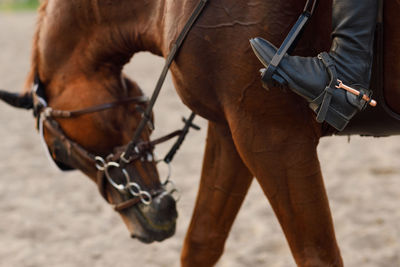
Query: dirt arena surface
<point>49,218</point>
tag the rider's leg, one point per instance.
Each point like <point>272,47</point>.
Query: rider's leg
<point>351,52</point>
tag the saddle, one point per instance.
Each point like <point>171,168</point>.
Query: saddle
<point>381,120</point>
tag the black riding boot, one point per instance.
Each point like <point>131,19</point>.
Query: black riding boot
<point>349,60</point>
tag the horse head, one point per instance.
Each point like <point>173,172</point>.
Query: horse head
<point>73,69</point>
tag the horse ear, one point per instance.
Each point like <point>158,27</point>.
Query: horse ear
<point>24,101</point>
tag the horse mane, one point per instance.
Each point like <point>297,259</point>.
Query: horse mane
<point>35,49</point>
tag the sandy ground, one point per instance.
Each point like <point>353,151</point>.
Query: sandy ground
<point>49,218</point>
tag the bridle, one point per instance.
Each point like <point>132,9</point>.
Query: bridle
<point>68,154</point>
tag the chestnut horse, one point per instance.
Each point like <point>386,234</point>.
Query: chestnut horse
<point>81,46</point>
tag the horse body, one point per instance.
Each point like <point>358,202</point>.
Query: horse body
<point>251,133</point>
<point>271,135</point>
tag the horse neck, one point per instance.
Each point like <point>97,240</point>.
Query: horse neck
<point>94,36</point>
<point>99,37</point>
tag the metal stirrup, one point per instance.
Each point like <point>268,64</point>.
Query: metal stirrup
<point>289,43</point>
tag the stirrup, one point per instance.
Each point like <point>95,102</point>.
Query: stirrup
<point>269,74</point>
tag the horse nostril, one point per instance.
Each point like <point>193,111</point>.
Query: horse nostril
<point>167,205</point>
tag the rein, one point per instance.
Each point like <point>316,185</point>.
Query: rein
<point>71,153</point>
<point>126,156</point>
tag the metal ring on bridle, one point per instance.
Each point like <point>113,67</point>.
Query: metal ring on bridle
<point>100,163</point>
<point>134,189</point>
<point>172,190</point>
<point>119,187</point>
<point>125,160</point>
<point>168,182</point>
<point>144,195</point>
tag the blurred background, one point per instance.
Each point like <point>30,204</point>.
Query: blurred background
<point>18,4</point>
<point>49,218</point>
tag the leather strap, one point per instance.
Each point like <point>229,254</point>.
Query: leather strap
<point>289,43</point>
<point>188,124</point>
<point>174,50</point>
<point>326,96</point>
<point>101,185</point>
<point>133,201</point>
<point>126,204</point>
<point>73,150</point>
<point>74,113</point>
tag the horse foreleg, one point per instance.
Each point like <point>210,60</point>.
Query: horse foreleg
<point>284,160</point>
<point>224,183</point>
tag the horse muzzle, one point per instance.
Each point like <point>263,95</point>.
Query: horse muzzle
<point>155,222</point>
